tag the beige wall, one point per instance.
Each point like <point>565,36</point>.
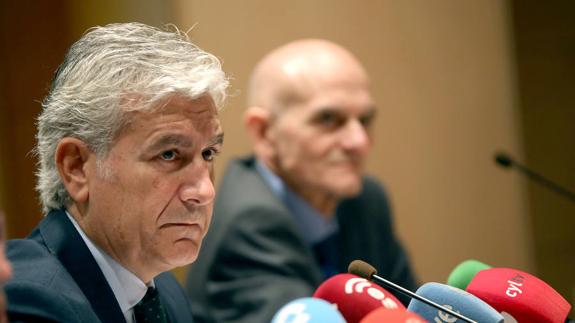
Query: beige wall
<point>443,78</point>
<point>89,13</point>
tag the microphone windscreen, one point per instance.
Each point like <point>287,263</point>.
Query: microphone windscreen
<point>503,160</point>
<point>361,269</point>
<point>454,299</point>
<point>464,273</point>
<point>355,297</point>
<point>520,295</point>
<point>308,309</point>
<point>383,314</point>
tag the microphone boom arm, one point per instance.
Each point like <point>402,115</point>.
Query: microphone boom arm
<point>419,298</point>
<point>505,161</point>
<point>365,270</point>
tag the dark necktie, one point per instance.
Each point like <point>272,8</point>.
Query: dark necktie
<point>150,309</point>
<point>327,255</point>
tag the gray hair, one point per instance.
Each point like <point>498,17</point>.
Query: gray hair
<point>109,70</point>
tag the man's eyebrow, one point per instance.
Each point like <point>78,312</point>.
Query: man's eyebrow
<point>180,141</point>
<point>170,140</point>
<point>328,108</point>
<point>217,140</point>
<point>371,112</point>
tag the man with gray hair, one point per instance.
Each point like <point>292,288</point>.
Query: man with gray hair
<point>126,144</point>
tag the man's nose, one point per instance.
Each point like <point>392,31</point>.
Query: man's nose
<point>355,137</point>
<point>198,187</point>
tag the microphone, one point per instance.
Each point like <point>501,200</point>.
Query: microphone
<point>463,273</point>
<point>520,295</point>
<point>308,310</point>
<point>355,297</point>
<point>365,270</point>
<point>455,299</point>
<point>505,161</point>
<point>386,315</point>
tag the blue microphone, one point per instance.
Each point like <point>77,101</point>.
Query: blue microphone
<point>455,299</point>
<point>308,310</point>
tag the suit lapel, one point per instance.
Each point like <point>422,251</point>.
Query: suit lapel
<point>173,298</point>
<point>355,240</point>
<point>67,245</point>
<point>245,172</point>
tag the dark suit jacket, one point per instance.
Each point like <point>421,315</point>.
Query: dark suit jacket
<point>253,260</point>
<point>56,279</point>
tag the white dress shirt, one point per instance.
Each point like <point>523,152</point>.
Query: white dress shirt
<point>127,287</point>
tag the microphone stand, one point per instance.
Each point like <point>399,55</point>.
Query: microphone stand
<point>505,161</point>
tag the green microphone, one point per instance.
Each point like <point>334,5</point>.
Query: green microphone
<point>462,275</point>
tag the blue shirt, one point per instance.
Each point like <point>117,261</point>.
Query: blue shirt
<point>313,226</point>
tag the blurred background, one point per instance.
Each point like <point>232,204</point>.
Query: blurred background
<point>455,82</point>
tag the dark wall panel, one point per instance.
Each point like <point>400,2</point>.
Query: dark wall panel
<point>33,39</point>
<point>545,47</point>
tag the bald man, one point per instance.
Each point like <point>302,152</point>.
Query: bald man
<point>299,210</point>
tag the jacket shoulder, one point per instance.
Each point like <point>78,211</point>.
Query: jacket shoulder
<point>41,289</point>
<point>243,185</point>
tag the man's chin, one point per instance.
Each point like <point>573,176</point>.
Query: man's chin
<point>185,252</point>
<point>347,189</point>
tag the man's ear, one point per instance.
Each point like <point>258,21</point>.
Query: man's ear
<point>72,156</point>
<point>257,122</point>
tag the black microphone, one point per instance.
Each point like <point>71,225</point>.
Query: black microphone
<point>365,270</point>
<point>503,160</point>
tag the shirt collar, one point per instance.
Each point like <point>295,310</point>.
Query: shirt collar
<point>126,286</point>
<point>313,225</point>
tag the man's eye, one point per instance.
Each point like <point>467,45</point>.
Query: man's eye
<point>366,121</point>
<point>168,155</point>
<point>209,154</point>
<point>329,119</point>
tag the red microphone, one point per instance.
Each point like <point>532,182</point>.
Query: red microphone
<point>383,314</point>
<point>355,297</point>
<point>518,294</point>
